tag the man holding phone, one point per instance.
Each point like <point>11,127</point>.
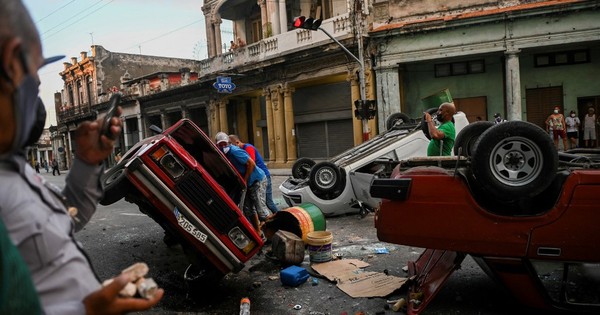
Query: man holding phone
<point>34,211</point>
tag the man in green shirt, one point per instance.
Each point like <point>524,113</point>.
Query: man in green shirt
<point>444,135</point>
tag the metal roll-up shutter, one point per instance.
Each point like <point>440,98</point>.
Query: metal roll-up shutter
<point>323,116</point>
<point>324,139</point>
<point>540,103</point>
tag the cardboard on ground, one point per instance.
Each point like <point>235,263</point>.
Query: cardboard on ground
<point>356,282</point>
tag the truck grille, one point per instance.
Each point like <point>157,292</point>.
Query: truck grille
<point>207,202</point>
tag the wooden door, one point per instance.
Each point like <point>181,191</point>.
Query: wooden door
<point>473,107</point>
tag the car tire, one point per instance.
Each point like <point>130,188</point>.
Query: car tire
<point>325,177</point>
<point>396,119</point>
<point>301,168</point>
<point>424,126</point>
<point>115,184</point>
<point>467,137</point>
<point>515,159</point>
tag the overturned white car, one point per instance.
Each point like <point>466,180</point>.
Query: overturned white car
<point>341,185</point>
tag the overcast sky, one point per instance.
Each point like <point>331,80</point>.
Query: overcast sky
<point>171,28</point>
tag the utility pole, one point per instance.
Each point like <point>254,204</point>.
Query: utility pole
<point>358,19</point>
<point>364,108</point>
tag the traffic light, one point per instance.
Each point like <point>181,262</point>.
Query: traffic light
<point>365,109</point>
<point>309,24</point>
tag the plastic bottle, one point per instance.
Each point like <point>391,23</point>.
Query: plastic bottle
<point>245,306</point>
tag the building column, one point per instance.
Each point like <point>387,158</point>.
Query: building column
<point>163,120</point>
<point>223,115</point>
<point>184,112</point>
<point>513,86</point>
<point>68,150</point>
<point>218,41</point>
<point>210,35</point>
<point>388,94</point>
<point>354,96</point>
<point>124,131</point>
<point>290,131</point>
<point>264,18</point>
<point>213,118</point>
<point>256,130</point>
<point>283,22</point>
<point>279,124</point>
<point>270,125</point>
<point>141,126</point>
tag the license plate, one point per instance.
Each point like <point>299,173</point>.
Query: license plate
<point>189,227</point>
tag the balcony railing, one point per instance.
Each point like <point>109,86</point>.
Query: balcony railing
<point>278,45</point>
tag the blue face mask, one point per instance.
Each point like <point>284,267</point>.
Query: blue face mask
<point>30,114</point>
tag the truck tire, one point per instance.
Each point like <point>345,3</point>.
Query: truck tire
<point>515,159</point>
<point>467,137</point>
<point>115,184</point>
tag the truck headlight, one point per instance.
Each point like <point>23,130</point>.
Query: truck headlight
<point>241,240</point>
<point>169,162</point>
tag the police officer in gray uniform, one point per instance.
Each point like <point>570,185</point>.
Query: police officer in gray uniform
<point>41,219</point>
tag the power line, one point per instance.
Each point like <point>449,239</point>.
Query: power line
<point>54,11</point>
<point>164,34</point>
<point>83,17</point>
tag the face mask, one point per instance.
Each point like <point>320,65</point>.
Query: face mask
<point>498,119</point>
<point>30,114</point>
<point>556,111</point>
<point>225,149</point>
<point>572,115</point>
<point>439,117</point>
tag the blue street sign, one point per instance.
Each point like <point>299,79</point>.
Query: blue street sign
<point>224,85</point>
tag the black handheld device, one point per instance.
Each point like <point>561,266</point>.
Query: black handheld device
<point>110,113</point>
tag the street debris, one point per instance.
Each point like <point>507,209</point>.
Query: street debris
<point>354,281</point>
<point>293,276</point>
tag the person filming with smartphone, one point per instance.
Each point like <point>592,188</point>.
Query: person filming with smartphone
<point>40,218</point>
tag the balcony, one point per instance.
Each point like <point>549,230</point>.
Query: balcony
<point>340,27</point>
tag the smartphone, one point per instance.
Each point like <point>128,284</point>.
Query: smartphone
<point>110,113</point>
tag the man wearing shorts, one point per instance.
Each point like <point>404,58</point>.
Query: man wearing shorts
<point>589,128</point>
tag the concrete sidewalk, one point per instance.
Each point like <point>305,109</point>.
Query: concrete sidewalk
<point>280,171</point>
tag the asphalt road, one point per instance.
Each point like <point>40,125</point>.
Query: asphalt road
<point>119,235</point>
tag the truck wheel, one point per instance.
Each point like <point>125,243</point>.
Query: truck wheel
<point>396,119</point>
<point>432,111</point>
<point>515,159</point>
<point>467,136</point>
<point>301,168</point>
<point>325,177</point>
<point>115,183</point>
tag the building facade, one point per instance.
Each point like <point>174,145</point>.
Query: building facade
<point>89,81</point>
<point>517,58</point>
<point>296,88</point>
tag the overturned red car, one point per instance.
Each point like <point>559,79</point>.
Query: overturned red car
<point>526,213</point>
<point>180,179</point>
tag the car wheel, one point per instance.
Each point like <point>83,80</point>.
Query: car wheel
<point>301,168</point>
<point>396,119</point>
<point>515,159</point>
<point>325,177</point>
<point>115,184</point>
<point>424,126</point>
<point>468,135</point>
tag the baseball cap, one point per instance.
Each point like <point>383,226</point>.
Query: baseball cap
<point>221,137</point>
<point>52,59</point>
<point>496,115</point>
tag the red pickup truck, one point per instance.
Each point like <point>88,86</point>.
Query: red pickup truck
<point>181,180</point>
<point>527,214</point>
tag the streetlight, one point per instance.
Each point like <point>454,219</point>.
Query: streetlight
<point>365,109</point>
